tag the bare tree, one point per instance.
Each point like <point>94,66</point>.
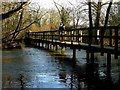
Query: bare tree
<point>63,13</point>
<point>114,18</point>
<point>10,13</point>
<point>77,14</point>
<point>19,24</point>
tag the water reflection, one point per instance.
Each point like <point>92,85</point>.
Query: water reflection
<point>35,68</point>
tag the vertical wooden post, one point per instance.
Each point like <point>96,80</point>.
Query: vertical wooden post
<point>36,43</point>
<point>45,45</point>
<point>87,56</point>
<point>74,53</point>
<point>108,67</point>
<point>55,48</point>
<point>48,46</point>
<point>92,57</point>
<point>62,50</point>
<point>27,39</point>
<point>42,44</point>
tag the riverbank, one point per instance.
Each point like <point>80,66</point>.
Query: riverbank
<point>13,46</point>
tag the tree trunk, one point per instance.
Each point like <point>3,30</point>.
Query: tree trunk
<point>90,23</point>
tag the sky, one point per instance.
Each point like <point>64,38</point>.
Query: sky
<point>49,3</point>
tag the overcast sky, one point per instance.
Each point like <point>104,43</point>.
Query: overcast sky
<point>49,3</point>
<point>52,0</point>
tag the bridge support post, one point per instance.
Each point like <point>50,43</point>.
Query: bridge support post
<point>87,56</point>
<point>92,58</point>
<point>39,44</point>
<point>62,50</point>
<point>74,54</point>
<point>55,48</point>
<point>35,44</point>
<point>50,46</point>
<point>42,44</point>
<point>45,45</point>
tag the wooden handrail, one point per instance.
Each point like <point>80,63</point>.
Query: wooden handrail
<point>112,37</point>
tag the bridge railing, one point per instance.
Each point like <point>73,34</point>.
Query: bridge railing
<point>110,37</point>
<point>101,36</point>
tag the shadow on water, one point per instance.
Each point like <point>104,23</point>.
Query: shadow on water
<point>77,75</point>
<point>82,76</point>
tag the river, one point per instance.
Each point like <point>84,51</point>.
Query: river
<point>38,68</point>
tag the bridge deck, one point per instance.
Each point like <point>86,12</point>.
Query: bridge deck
<point>76,45</point>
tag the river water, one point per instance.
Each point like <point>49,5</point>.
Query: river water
<point>37,68</point>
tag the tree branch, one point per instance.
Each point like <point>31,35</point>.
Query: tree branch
<point>57,8</point>
<point>107,13</point>
<point>10,13</point>
<point>19,30</point>
<point>20,20</point>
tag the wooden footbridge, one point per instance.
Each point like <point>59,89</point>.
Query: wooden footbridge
<point>107,41</point>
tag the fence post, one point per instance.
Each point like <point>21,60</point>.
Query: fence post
<point>27,38</point>
<point>74,53</point>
